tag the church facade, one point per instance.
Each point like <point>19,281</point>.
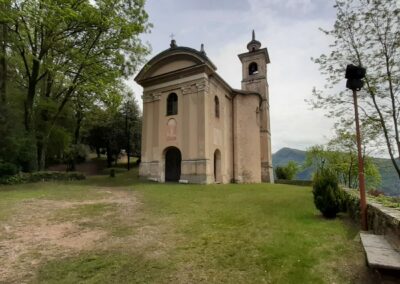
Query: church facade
<point>198,129</point>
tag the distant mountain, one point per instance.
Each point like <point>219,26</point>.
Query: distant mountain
<point>390,181</point>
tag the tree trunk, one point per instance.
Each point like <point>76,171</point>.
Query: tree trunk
<point>128,139</point>
<point>109,157</point>
<point>31,96</point>
<point>3,64</point>
<point>78,125</point>
<point>41,154</point>
<point>76,141</point>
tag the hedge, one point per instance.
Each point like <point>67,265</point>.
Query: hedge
<point>294,182</point>
<point>41,176</point>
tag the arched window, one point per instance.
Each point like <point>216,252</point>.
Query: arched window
<point>172,104</point>
<point>253,68</point>
<point>216,101</point>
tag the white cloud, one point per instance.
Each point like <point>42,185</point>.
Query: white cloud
<point>289,29</point>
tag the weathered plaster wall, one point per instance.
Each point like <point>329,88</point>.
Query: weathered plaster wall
<point>186,130</point>
<point>219,131</point>
<point>247,139</point>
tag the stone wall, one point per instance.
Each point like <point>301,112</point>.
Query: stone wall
<point>382,220</point>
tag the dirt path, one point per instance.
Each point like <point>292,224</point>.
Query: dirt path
<point>42,230</point>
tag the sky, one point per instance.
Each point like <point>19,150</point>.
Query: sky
<point>290,31</point>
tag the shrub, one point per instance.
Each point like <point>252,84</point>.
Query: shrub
<point>351,203</point>
<point>328,198</point>
<point>41,176</point>
<point>280,173</point>
<point>55,176</point>
<point>7,169</point>
<point>287,172</point>
<point>375,192</point>
<point>112,173</point>
<point>76,153</point>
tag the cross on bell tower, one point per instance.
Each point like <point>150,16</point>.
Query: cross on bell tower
<point>254,79</point>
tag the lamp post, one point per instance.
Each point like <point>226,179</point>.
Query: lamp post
<point>354,76</point>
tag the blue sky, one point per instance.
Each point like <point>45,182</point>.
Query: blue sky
<point>290,31</point>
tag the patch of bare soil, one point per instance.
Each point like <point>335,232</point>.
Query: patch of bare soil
<point>33,235</point>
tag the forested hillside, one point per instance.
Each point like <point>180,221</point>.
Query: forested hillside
<point>390,181</point>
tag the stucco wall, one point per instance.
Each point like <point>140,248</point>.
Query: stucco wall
<point>188,133</point>
<point>247,139</point>
<point>229,143</point>
<point>199,133</point>
<point>219,131</point>
<point>258,83</point>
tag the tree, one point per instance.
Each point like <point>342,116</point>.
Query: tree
<point>3,63</point>
<point>366,33</point>
<point>340,158</point>
<point>131,112</point>
<point>66,48</point>
<point>114,127</point>
<point>287,172</point>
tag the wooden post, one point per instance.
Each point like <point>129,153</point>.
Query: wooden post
<point>361,179</point>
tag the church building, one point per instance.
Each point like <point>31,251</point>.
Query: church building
<point>196,127</point>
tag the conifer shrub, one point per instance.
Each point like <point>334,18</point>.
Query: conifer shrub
<point>328,197</point>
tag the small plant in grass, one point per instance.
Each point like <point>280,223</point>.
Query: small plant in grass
<point>328,198</point>
<point>112,173</point>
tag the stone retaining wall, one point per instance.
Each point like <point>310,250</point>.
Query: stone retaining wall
<point>381,220</point>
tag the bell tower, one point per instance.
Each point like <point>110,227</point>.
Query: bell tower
<point>254,74</point>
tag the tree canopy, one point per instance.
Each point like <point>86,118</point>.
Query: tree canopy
<point>366,33</point>
<point>60,61</point>
<point>340,158</point>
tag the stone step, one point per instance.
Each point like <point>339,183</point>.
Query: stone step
<point>380,254</point>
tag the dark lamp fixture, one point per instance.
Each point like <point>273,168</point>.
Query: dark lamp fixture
<point>354,76</point>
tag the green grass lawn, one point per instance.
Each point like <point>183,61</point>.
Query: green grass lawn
<point>132,232</point>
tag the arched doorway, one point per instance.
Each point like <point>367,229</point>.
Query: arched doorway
<point>173,160</point>
<point>217,166</point>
